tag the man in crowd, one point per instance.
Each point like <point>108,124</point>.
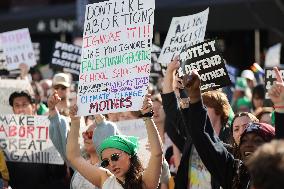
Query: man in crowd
<point>30,175</point>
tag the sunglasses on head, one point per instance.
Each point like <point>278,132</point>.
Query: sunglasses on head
<point>113,157</point>
<point>56,87</point>
<point>88,134</point>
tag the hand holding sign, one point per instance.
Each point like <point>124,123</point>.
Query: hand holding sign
<point>192,82</point>
<point>73,113</point>
<point>147,105</point>
<point>276,92</point>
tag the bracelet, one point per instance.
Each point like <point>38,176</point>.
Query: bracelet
<point>148,114</point>
<point>278,107</point>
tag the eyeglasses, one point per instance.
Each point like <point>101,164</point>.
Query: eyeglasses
<point>113,157</point>
<point>88,134</point>
<point>56,87</point>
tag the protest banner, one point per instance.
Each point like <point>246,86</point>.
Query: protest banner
<point>184,32</point>
<point>25,138</point>
<point>116,56</point>
<point>7,87</point>
<point>273,55</point>
<point>136,128</point>
<point>270,78</point>
<point>208,62</point>
<point>17,48</point>
<point>66,56</point>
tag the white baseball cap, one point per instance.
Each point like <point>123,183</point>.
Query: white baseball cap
<point>248,74</point>
<point>61,79</point>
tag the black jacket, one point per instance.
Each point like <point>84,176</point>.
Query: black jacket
<point>179,134</point>
<point>221,164</point>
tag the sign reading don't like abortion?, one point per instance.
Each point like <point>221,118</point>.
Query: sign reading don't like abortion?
<point>116,56</point>
<point>208,62</point>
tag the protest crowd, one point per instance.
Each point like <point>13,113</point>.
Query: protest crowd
<point>101,120</point>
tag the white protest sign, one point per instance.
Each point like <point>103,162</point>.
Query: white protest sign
<point>25,138</point>
<point>7,87</point>
<point>116,56</point>
<point>17,48</point>
<point>184,32</point>
<point>136,128</point>
<point>272,57</point>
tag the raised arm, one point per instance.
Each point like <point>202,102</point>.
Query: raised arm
<point>152,173</point>
<point>276,94</point>
<point>58,127</point>
<point>219,162</point>
<point>93,174</point>
<point>174,125</point>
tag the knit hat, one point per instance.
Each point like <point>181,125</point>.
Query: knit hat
<point>128,144</point>
<point>264,130</point>
<point>102,131</point>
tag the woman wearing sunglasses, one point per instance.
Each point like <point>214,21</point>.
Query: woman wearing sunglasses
<point>58,131</point>
<point>229,171</point>
<point>121,168</point>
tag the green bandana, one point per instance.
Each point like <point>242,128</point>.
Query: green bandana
<point>128,144</point>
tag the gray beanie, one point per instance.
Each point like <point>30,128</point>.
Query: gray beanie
<point>102,131</point>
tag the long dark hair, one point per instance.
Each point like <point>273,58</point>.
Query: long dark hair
<point>133,177</point>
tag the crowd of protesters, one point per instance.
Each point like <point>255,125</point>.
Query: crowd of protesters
<point>196,140</point>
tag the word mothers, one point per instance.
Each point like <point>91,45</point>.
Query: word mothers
<point>110,104</point>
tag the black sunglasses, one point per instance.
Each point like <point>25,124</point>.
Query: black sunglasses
<point>113,157</point>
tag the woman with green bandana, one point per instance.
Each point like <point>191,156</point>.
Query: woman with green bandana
<point>120,166</point>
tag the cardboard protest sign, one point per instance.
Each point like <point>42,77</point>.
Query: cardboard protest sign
<point>66,56</point>
<point>136,128</point>
<point>17,48</point>
<point>273,55</point>
<point>7,87</point>
<point>116,56</point>
<point>207,61</point>
<point>270,78</point>
<point>184,32</point>
<point>25,138</point>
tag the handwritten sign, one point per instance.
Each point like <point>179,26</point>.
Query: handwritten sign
<point>25,138</point>
<point>136,128</point>
<point>184,32</point>
<point>7,87</point>
<point>66,56</point>
<point>207,61</point>
<point>17,48</point>
<point>116,56</point>
<point>270,78</point>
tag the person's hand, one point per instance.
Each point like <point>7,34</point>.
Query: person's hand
<point>53,100</point>
<point>173,65</point>
<point>276,92</point>
<point>24,68</point>
<point>73,112</point>
<point>147,105</point>
<point>177,83</point>
<point>191,83</point>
